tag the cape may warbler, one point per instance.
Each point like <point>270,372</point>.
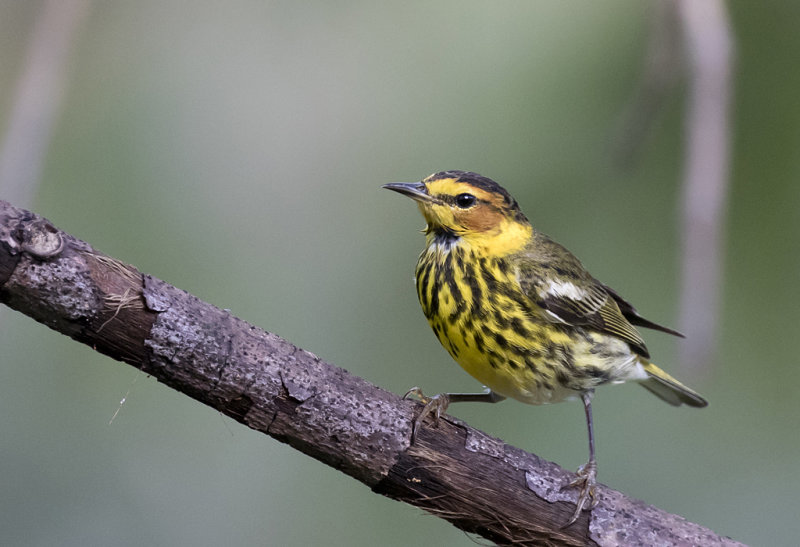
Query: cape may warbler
<point>519,312</point>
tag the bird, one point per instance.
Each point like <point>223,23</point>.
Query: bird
<point>520,313</point>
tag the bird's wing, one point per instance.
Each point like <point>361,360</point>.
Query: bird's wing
<point>588,306</point>
<point>633,316</point>
<point>557,282</point>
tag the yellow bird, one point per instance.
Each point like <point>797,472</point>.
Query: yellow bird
<point>520,313</point>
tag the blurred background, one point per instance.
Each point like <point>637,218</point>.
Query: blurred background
<point>237,151</point>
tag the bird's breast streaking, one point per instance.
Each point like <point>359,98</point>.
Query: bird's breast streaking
<point>479,314</point>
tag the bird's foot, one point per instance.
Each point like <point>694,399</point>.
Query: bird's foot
<point>587,481</point>
<point>437,404</point>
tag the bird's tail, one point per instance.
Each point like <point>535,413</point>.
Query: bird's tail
<point>669,389</point>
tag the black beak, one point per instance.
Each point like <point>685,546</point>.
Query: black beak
<point>415,190</point>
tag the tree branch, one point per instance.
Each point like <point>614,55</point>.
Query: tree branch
<point>474,481</point>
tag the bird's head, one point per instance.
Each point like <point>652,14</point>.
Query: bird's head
<point>459,205</point>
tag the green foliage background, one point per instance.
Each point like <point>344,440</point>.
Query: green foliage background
<point>237,150</point>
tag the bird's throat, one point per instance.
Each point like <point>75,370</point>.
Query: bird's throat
<point>507,239</point>
<point>442,237</point>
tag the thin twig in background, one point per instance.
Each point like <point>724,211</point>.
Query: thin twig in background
<point>37,98</point>
<point>663,68</point>
<point>710,50</point>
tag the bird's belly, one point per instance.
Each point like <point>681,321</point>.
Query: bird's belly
<point>523,386</point>
<point>548,366</point>
<point>516,383</point>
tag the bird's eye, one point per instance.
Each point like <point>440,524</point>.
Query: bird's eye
<point>465,201</point>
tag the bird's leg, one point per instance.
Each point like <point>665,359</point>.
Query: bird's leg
<point>438,404</point>
<point>587,474</point>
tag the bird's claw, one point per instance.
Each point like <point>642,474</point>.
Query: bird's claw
<point>437,404</point>
<point>587,481</point>
<point>417,393</point>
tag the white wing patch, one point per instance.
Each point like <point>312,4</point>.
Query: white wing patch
<point>565,289</point>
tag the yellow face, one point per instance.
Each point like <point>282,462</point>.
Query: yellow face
<point>469,208</point>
